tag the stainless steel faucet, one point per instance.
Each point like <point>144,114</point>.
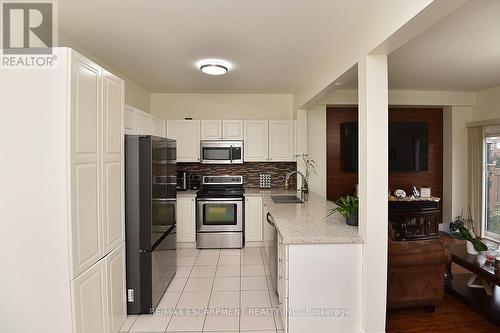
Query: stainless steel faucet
<point>304,188</point>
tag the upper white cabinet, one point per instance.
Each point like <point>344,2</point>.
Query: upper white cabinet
<point>232,129</point>
<point>157,127</point>
<point>256,140</point>
<point>187,135</point>
<point>253,219</point>
<point>281,140</point>
<point>141,123</point>
<point>112,162</point>
<point>211,130</point>
<point>221,130</point>
<point>86,195</point>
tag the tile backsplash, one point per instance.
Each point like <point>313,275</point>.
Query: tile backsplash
<point>249,170</point>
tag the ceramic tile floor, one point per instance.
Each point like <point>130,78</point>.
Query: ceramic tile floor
<point>215,291</point>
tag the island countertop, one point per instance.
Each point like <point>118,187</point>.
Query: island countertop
<point>307,223</point>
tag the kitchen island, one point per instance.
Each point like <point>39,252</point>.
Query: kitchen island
<point>315,264</point>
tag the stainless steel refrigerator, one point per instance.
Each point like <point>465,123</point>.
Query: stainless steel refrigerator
<point>150,219</point>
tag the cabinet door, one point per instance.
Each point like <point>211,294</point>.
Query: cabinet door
<point>256,140</point>
<point>253,219</point>
<point>112,161</point>
<point>232,129</point>
<point>89,300</point>
<point>158,127</point>
<point>211,130</point>
<point>281,140</point>
<point>116,289</point>
<point>187,134</point>
<point>85,112</point>
<point>186,219</point>
<point>129,121</point>
<point>143,124</point>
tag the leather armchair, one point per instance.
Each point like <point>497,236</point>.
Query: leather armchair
<point>416,273</point>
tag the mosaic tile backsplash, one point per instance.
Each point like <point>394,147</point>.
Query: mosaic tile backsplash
<point>249,170</point>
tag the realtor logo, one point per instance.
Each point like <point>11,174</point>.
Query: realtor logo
<point>28,27</point>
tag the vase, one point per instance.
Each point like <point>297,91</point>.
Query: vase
<point>352,220</point>
<point>470,248</point>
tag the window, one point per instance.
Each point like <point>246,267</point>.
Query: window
<point>492,183</point>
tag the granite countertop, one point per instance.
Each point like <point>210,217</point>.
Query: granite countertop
<point>307,223</point>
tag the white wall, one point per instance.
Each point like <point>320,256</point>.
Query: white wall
<point>316,147</point>
<point>455,162</point>
<point>135,95</point>
<point>222,106</point>
<point>488,105</point>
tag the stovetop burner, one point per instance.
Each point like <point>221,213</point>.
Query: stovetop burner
<point>221,186</point>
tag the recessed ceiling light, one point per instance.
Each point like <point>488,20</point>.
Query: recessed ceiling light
<point>214,66</point>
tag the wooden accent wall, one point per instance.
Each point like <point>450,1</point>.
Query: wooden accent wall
<point>340,183</point>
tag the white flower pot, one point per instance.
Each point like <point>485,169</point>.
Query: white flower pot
<point>470,248</point>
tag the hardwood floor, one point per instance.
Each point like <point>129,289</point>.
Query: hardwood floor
<point>451,316</point>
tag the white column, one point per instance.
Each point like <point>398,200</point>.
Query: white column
<point>373,187</point>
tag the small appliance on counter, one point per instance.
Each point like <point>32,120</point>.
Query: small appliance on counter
<point>150,222</point>
<point>194,182</point>
<point>182,181</point>
<point>220,208</point>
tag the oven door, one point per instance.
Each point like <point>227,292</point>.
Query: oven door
<point>219,214</point>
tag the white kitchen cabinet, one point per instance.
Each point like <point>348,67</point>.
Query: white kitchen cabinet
<point>256,140</point>
<point>90,300</point>
<point>157,127</point>
<point>232,129</point>
<point>142,123</point>
<point>112,162</point>
<point>186,219</point>
<point>253,219</point>
<point>187,134</point>
<point>211,129</point>
<point>128,120</point>
<point>116,288</point>
<point>281,140</point>
<point>78,183</point>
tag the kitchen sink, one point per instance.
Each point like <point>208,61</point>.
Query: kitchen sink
<point>286,199</point>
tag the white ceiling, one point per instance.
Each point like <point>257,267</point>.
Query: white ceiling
<point>459,53</point>
<point>273,44</point>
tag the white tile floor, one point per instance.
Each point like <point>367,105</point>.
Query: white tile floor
<point>215,291</point>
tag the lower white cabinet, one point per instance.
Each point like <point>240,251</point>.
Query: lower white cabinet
<point>116,288</point>
<point>253,219</point>
<point>98,294</point>
<point>89,300</point>
<point>186,219</point>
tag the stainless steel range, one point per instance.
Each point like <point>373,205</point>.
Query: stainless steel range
<point>220,211</point>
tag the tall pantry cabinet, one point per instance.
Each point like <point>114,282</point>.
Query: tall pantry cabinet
<point>74,248</point>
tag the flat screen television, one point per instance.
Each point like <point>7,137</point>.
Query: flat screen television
<point>408,146</point>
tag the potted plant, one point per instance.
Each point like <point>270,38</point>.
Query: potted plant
<point>308,164</point>
<point>348,207</point>
<point>463,228</point>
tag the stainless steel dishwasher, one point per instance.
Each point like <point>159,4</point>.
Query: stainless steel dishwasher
<point>273,249</point>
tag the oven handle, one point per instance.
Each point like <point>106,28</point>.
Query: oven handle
<point>218,199</point>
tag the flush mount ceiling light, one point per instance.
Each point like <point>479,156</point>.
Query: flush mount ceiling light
<point>214,66</point>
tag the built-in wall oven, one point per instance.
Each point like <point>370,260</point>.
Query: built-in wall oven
<point>221,152</point>
<point>220,212</point>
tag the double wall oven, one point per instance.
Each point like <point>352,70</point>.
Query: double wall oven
<point>220,212</point>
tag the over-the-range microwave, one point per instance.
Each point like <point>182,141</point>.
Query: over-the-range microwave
<point>221,152</point>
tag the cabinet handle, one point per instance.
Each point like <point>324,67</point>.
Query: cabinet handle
<point>280,276</point>
<point>280,260</point>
